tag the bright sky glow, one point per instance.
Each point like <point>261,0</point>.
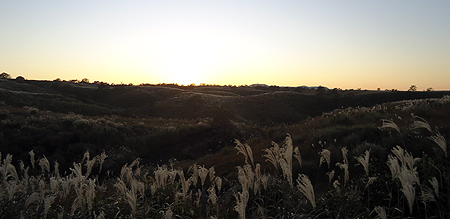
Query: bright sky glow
<point>346,44</point>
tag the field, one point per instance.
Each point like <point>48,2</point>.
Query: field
<point>77,150</point>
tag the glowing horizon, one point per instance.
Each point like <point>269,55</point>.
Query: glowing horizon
<point>348,45</point>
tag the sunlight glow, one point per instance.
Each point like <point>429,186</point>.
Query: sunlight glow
<point>186,59</point>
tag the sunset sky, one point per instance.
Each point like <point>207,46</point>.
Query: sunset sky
<point>345,44</point>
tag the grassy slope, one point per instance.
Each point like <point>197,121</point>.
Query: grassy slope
<point>188,137</point>
<point>186,123</point>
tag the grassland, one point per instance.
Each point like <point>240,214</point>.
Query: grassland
<point>77,150</point>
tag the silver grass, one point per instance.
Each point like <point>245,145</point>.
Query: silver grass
<point>287,173</point>
<point>35,197</point>
<point>390,124</point>
<point>218,181</point>
<point>198,198</point>
<point>427,195</point>
<point>90,193</point>
<point>153,188</point>
<point>399,153</point>
<point>44,164</point>
<point>420,122</point>
<point>131,198</point>
<point>11,172</point>
<point>273,154</point>
<point>203,173</point>
<point>102,159</point>
<point>364,161</point>
<point>177,197</point>
<point>66,186</point>
<point>212,195</point>
<point>245,176</point>
<point>48,202</point>
<point>298,156</point>
<point>344,154</point>
<point>265,180</point>
<point>241,203</point>
<point>257,182</point>
<point>325,156</point>
<point>77,170</point>
<point>245,150</point>
<point>25,174</point>
<point>242,178</point>
<point>42,185</point>
<point>330,176</point>
<point>408,176</point>
<point>32,158</point>
<point>184,184</point>
<point>393,165</point>
<point>370,181</point>
<point>410,160</point>
<point>435,184</point>
<point>126,173</point>
<point>409,192</point>
<point>407,179</point>
<point>344,167</point>
<point>86,156</point>
<point>135,162</point>
<point>161,176</point>
<point>194,175</point>
<point>89,164</point>
<point>337,185</point>
<point>406,159</point>
<point>138,186</point>
<point>4,168</point>
<point>212,174</point>
<point>54,185</point>
<point>440,141</point>
<point>381,212</point>
<point>286,161</point>
<point>305,186</point>
<point>11,189</point>
<point>77,203</point>
<point>250,174</point>
<point>172,176</point>
<point>56,171</point>
<point>21,165</point>
<point>288,150</point>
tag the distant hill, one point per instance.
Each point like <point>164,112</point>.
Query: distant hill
<point>264,105</point>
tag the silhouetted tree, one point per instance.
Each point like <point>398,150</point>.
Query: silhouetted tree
<point>20,78</point>
<point>5,75</point>
<point>412,88</point>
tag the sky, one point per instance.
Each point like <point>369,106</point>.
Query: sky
<point>344,44</point>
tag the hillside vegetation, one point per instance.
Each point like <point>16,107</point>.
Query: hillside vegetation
<point>69,150</point>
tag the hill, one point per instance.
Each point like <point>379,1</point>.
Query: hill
<point>182,135</point>
<point>159,122</point>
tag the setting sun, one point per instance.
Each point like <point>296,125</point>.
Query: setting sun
<point>186,58</point>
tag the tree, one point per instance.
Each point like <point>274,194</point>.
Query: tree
<point>429,89</point>
<point>412,88</point>
<point>5,75</point>
<point>85,80</point>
